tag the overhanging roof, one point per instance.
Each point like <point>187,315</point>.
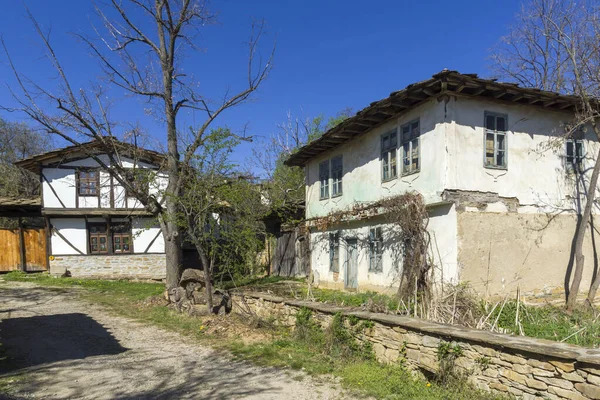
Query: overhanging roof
<point>93,147</point>
<point>20,207</point>
<point>445,82</point>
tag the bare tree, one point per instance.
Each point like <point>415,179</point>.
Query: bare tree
<point>555,46</point>
<point>140,50</point>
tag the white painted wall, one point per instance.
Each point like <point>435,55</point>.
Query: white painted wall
<point>74,230</point>
<point>144,230</point>
<point>442,228</point>
<point>63,182</point>
<point>535,172</point>
<point>362,165</point>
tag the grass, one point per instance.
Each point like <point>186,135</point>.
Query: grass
<point>581,327</point>
<point>309,347</point>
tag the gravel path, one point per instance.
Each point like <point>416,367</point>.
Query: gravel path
<point>68,349</point>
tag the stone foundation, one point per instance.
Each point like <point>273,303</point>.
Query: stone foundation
<point>525,367</point>
<point>140,266</point>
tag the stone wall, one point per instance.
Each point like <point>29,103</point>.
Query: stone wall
<point>141,266</point>
<point>525,367</point>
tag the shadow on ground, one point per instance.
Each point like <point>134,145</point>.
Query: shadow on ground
<point>42,339</point>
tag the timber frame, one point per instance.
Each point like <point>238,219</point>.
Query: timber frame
<point>445,83</point>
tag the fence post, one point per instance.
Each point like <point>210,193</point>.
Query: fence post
<point>22,245</point>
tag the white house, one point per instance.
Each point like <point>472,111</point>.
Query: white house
<point>95,227</point>
<point>500,182</point>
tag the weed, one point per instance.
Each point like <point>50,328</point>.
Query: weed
<point>447,354</point>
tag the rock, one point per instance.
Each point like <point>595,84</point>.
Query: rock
<point>191,275</point>
<point>522,369</point>
<point>379,351</point>
<point>491,373</point>
<point>573,377</point>
<point>561,383</point>
<point>543,372</point>
<point>565,366</point>
<point>535,384</point>
<point>567,394</point>
<point>591,391</point>
<point>513,376</point>
<point>541,364</point>
<point>430,341</point>
<point>512,359</point>
<point>593,379</point>
<point>498,386</point>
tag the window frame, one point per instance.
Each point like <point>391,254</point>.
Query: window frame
<point>410,141</point>
<point>98,236</point>
<point>336,184</point>
<point>376,249</point>
<point>88,180</point>
<point>495,133</point>
<point>324,178</point>
<point>575,166</point>
<point>386,155</point>
<point>110,233</point>
<point>334,252</point>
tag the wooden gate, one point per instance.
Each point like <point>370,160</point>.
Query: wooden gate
<point>23,249</point>
<point>292,254</point>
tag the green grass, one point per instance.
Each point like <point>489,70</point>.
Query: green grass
<point>312,349</point>
<point>581,327</point>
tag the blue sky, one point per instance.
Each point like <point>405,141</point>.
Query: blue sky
<point>330,54</point>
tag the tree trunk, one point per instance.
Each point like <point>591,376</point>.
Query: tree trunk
<point>585,218</point>
<point>174,259</point>
<point>207,277</point>
<point>589,301</point>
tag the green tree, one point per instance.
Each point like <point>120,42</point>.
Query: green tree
<point>18,141</point>
<point>220,209</point>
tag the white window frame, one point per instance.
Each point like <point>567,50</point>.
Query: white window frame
<point>376,249</point>
<point>324,180</point>
<point>496,134</point>
<point>574,162</point>
<point>337,173</point>
<point>389,155</point>
<point>407,157</point>
<point>334,252</point>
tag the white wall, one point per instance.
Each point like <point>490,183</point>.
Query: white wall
<point>362,166</point>
<point>144,230</point>
<point>535,172</point>
<point>443,250</point>
<point>63,183</point>
<point>74,230</point>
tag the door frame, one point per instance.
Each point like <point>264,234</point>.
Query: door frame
<point>351,242</point>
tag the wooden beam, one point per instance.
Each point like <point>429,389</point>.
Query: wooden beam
<point>78,212</point>
<point>54,191</point>
<point>22,246</point>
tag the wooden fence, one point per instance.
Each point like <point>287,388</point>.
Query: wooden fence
<point>23,249</point>
<point>292,254</point>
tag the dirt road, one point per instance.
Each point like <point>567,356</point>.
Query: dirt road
<point>67,349</point>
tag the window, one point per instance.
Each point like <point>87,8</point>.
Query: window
<point>495,140</point>
<point>121,238</point>
<point>140,179</point>
<point>87,182</point>
<point>324,179</point>
<point>334,252</point>
<point>98,237</point>
<point>574,152</point>
<point>389,143</point>
<point>375,250</point>
<point>410,147</point>
<point>337,171</point>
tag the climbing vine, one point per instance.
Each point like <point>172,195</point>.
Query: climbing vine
<point>408,217</point>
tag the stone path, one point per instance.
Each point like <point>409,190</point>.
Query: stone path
<point>64,348</point>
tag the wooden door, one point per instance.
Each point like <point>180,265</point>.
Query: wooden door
<point>34,240</point>
<point>351,281</point>
<point>10,254</point>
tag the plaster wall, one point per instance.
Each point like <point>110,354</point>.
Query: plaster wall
<point>143,230</point>
<point>500,252</point>
<point>536,174</point>
<point>60,183</point>
<point>362,164</point>
<point>442,228</point>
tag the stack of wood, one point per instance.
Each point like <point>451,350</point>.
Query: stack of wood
<point>190,295</point>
